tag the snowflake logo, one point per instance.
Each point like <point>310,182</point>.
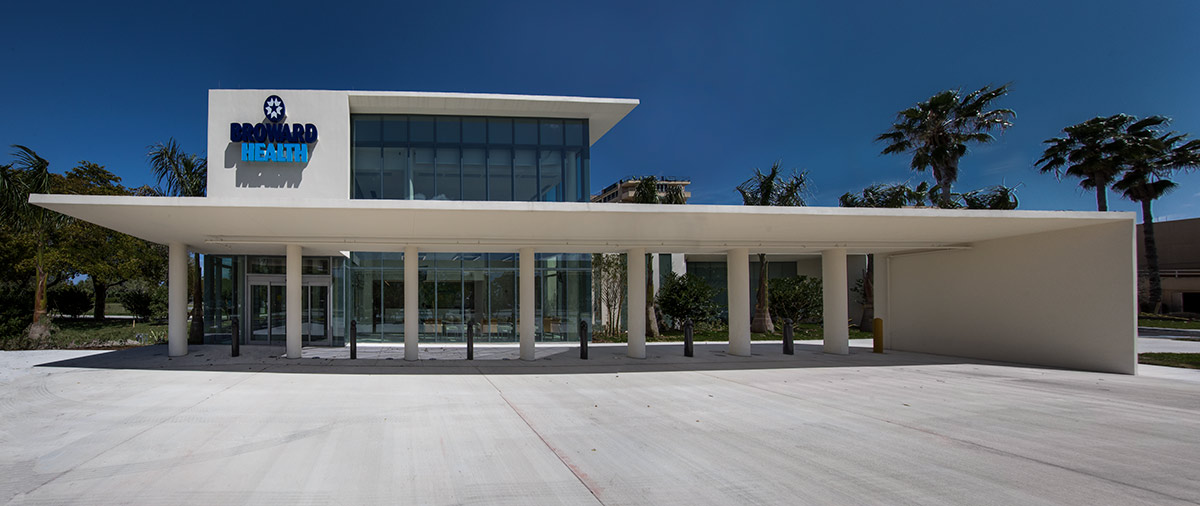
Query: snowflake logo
<point>274,108</point>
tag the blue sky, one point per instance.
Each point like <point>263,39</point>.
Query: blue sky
<point>725,87</point>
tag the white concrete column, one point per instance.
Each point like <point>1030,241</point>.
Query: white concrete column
<point>881,295</point>
<point>412,315</point>
<point>528,307</point>
<point>836,306</point>
<point>293,309</point>
<point>177,290</point>
<point>654,274</point>
<point>678,264</point>
<point>737,262</point>
<point>636,283</point>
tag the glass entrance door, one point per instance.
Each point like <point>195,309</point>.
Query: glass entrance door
<point>268,320</point>
<point>315,301</point>
<point>268,314</point>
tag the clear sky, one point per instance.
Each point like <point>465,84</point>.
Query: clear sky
<point>724,87</point>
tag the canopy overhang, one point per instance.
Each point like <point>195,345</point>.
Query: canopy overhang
<point>320,226</point>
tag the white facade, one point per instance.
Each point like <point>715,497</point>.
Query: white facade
<point>1046,288</point>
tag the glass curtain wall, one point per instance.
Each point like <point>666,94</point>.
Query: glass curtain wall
<point>469,158</point>
<point>460,288</point>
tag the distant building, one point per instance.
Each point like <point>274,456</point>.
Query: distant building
<point>1178,244</point>
<point>622,191</point>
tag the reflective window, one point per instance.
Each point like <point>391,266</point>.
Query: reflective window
<point>469,158</point>
<point>449,176</point>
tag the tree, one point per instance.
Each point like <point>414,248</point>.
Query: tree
<point>183,175</point>
<point>646,192</point>
<point>608,275</point>
<point>1091,151</point>
<point>997,197</point>
<point>887,196</point>
<point>770,189</point>
<point>687,296</point>
<point>30,174</point>
<point>1148,159</point>
<point>797,297</point>
<point>938,130</point>
<point>109,258</point>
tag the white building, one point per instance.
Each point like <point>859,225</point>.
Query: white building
<point>416,214</point>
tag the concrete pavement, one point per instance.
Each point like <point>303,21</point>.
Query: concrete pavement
<point>136,427</point>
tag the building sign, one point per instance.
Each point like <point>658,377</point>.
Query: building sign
<point>274,140</point>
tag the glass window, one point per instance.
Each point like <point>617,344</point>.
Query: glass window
<point>367,157</point>
<point>422,173</point>
<point>550,172</point>
<point>447,129</point>
<point>313,265</point>
<point>420,128</point>
<point>395,130</point>
<point>525,131</point>
<point>474,180</point>
<point>571,173</point>
<point>525,175</point>
<point>500,131</point>
<point>449,176</point>
<point>502,260</point>
<point>499,175</point>
<point>574,132</point>
<point>267,265</point>
<point>364,291</point>
<point>551,132</point>
<point>474,130</point>
<point>502,306</point>
<point>449,315</point>
<point>391,313</point>
<point>394,181</point>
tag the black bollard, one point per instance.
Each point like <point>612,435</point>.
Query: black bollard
<point>789,344</point>
<point>583,339</point>
<point>471,340</point>
<point>353,339</point>
<point>234,337</point>
<point>687,338</point>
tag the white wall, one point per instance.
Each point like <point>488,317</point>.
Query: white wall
<point>327,173</point>
<point>1062,299</point>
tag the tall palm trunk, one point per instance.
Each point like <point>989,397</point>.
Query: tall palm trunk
<point>39,291</point>
<point>196,332</point>
<point>1101,194</point>
<point>651,314</point>
<point>867,322</point>
<point>1151,257</point>
<point>762,311</point>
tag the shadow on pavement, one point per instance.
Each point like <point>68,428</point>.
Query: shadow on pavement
<point>496,360</point>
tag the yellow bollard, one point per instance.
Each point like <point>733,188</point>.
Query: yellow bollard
<point>878,328</point>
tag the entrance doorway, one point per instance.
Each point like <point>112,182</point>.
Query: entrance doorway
<point>268,312</point>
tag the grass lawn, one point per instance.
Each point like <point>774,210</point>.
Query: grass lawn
<point>1168,324</point>
<point>1188,360</point>
<point>87,333</point>
<point>802,332</point>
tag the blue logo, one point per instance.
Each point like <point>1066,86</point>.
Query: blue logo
<point>274,109</point>
<point>274,140</point>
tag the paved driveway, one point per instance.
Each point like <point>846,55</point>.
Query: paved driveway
<point>137,427</point>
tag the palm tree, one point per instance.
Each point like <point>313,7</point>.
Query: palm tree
<point>1148,159</point>
<point>183,175</point>
<point>30,174</point>
<point>770,189</point>
<point>937,131</point>
<point>646,192</point>
<point>1090,151</point>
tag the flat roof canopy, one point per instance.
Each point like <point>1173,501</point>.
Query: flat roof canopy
<point>327,227</point>
<point>602,113</point>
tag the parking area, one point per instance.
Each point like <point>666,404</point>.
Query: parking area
<point>134,426</point>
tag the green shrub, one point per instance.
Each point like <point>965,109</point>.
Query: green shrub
<point>72,300</point>
<point>16,313</point>
<point>144,301</point>
<point>796,297</point>
<point>687,296</point>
